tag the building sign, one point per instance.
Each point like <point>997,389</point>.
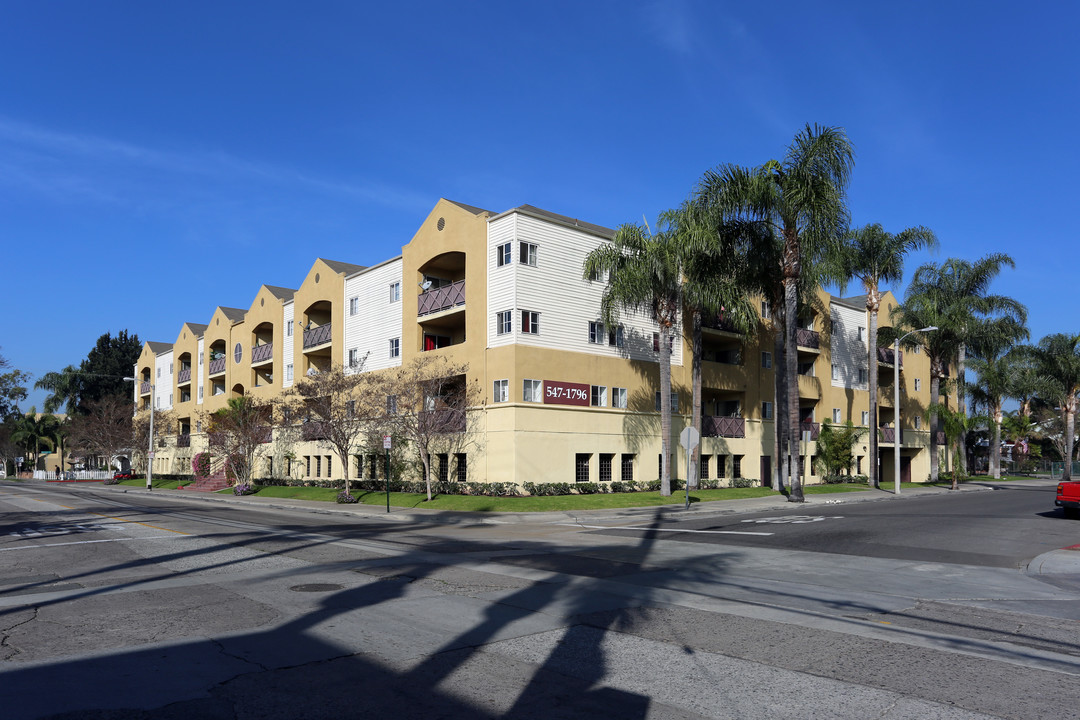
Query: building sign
<point>565,393</point>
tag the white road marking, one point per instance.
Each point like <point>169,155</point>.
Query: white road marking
<point>794,519</point>
<point>647,529</point>
<point>87,542</point>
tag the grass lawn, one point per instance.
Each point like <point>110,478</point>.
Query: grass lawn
<point>159,484</point>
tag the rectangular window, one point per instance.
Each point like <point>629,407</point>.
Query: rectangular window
<point>721,466</point>
<point>354,305</point>
<point>462,467</point>
<point>836,415</point>
<point>350,408</point>
<point>395,292</point>
<point>766,359</point>
<point>674,402</point>
<point>307,466</point>
<point>530,322</point>
<point>835,372</point>
<point>866,418</point>
<point>527,254</point>
<point>170,399</point>
<point>736,466</point>
<point>159,372</point>
<point>862,376</point>
<point>444,467</point>
<point>918,384</point>
<point>918,422</point>
<point>328,470</point>
<point>532,391</point>
<point>605,466</point>
<point>917,349</point>
<point>353,357</point>
<point>504,322</point>
<point>703,467</point>
<point>170,368</point>
<point>288,328</point>
<point>858,465</point>
<point>501,391</point>
<point>288,372</point>
<point>862,334</point>
<point>318,466</point>
<point>502,254</point>
<point>615,336</point>
<point>618,398</point>
<point>626,470</point>
<point>200,359</point>
<point>765,313</point>
<point>395,347</point>
<point>581,467</point>
<point>766,410</point>
<point>391,404</point>
<point>200,393</point>
<point>656,342</point>
<point>596,333</point>
<point>598,396</point>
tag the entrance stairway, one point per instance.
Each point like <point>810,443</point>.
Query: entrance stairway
<point>211,483</point>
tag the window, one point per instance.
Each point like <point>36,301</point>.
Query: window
<point>288,329</point>
<point>328,472</point>
<point>318,466</point>
<point>503,322</point>
<point>502,254</point>
<point>674,402</point>
<point>170,399</point>
<point>444,467</point>
<point>288,372</point>
<point>527,254</point>
<point>353,357</point>
<point>198,426</point>
<point>862,334</point>
<point>170,368</point>
<point>354,305</point>
<point>765,313</point>
<point>307,465</point>
<point>858,465</point>
<point>501,391</point>
<point>862,376</point>
<point>766,410</point>
<point>159,372</point>
<point>462,467</point>
<point>865,418</point>
<point>836,415</point>
<point>530,322</point>
<point>605,466</point>
<point>615,336</point>
<point>918,422</point>
<point>766,359</point>
<point>656,342</point>
<point>200,358</point>
<point>350,408</point>
<point>918,384</point>
<point>395,347</point>
<point>395,292</point>
<point>917,349</point>
<point>598,396</point>
<point>581,467</point>
<point>618,398</point>
<point>626,469</point>
<point>200,393</point>
<point>532,391</point>
<point>391,404</point>
<point>736,466</point>
<point>703,467</point>
<point>721,466</point>
<point>434,342</point>
<point>596,333</point>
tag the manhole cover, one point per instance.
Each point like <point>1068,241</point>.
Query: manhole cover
<point>316,587</point>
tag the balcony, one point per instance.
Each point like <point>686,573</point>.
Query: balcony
<point>312,430</point>
<point>262,353</point>
<point>265,435</point>
<point>730,427</point>
<point>811,427</point>
<point>446,420</point>
<point>145,388</point>
<point>888,434</point>
<point>717,322</point>
<point>807,338</point>
<point>439,299</point>
<point>217,367</point>
<point>183,441</point>
<point>315,337</point>
<point>183,377</point>
<point>885,355</point>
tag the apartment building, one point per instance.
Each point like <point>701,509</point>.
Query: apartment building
<point>566,398</point>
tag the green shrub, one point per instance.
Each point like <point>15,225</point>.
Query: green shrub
<point>743,482</point>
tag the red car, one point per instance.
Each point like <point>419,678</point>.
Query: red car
<point>1068,498</point>
<point>121,475</point>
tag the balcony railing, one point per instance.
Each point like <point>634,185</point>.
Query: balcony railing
<point>317,336</point>
<point>885,355</point>
<point>721,426</point>
<point>145,388</point>
<point>888,434</point>
<point>217,366</point>
<point>444,298</point>
<point>262,353</point>
<point>718,322</point>
<point>807,338</point>
<point>183,440</point>
<point>940,439</point>
<point>265,434</point>
<point>313,430</point>
<point>183,377</point>
<point>811,427</point>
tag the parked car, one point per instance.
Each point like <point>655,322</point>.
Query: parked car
<point>1068,498</point>
<point>122,475</point>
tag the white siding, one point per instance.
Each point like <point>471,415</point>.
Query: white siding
<point>555,288</point>
<point>287,345</point>
<point>369,331</point>
<point>848,353</point>
<point>163,386</point>
<point>201,359</point>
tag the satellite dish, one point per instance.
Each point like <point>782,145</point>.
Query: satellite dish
<point>426,285</point>
<point>312,372</point>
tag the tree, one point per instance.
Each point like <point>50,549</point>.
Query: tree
<point>427,404</point>
<point>33,430</point>
<point>340,406</point>
<point>874,256</point>
<point>105,429</point>
<point>140,432</point>
<point>644,274</point>
<point>836,446</point>
<point>65,389</point>
<point>954,423</point>
<point>238,433</point>
<point>100,375</point>
<point>12,390</point>
<point>1058,359</point>
<point>802,198</point>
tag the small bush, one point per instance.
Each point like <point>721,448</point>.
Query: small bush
<point>345,498</point>
<point>743,482</point>
<point>549,489</point>
<point>245,489</point>
<point>587,488</point>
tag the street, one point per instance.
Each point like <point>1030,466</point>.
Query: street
<point>133,605</point>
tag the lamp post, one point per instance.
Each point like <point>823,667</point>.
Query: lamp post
<point>896,403</point>
<point>150,449</point>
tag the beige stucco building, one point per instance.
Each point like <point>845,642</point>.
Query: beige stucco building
<point>565,399</point>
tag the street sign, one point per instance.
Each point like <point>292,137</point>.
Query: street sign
<point>689,437</point>
<point>386,442</point>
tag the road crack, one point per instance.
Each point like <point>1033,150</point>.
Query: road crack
<point>9,651</point>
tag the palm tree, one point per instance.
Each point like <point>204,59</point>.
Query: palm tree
<point>644,274</point>
<point>1058,359</point>
<point>990,390</point>
<point>34,430</point>
<point>802,198</point>
<point>65,388</point>
<point>954,423</point>
<point>874,256</point>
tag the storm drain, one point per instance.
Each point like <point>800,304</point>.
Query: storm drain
<point>317,587</point>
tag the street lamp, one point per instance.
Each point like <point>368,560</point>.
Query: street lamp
<point>150,449</point>
<point>896,403</point>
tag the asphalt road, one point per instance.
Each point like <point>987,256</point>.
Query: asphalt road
<point>141,606</point>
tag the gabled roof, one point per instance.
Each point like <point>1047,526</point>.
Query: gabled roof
<point>280,293</point>
<point>560,219</point>
<point>197,328</point>
<point>471,208</point>
<point>857,302</point>
<point>158,347</point>
<point>234,314</point>
<point>342,267</point>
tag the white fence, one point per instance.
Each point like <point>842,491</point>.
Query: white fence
<point>74,475</point>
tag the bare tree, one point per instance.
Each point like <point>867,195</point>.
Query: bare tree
<point>239,433</point>
<point>339,407</point>
<point>105,429</point>
<point>140,436</point>
<point>427,403</point>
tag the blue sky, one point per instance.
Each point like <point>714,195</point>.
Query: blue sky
<point>199,150</point>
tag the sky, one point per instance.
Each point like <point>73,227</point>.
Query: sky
<point>160,159</point>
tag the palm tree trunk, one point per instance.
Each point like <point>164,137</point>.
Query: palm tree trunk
<point>780,478</point>
<point>665,411</point>
<point>791,364</point>
<point>935,394</point>
<point>961,443</point>
<point>872,374</point>
<point>692,472</point>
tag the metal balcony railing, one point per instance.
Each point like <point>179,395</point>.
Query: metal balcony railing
<point>885,355</point>
<point>262,353</point>
<point>438,299</point>
<point>145,388</point>
<point>812,427</point>
<point>217,366</point>
<point>183,440</point>
<point>888,434</point>
<point>721,426</point>
<point>317,336</point>
<point>183,377</point>
<point>807,338</point>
